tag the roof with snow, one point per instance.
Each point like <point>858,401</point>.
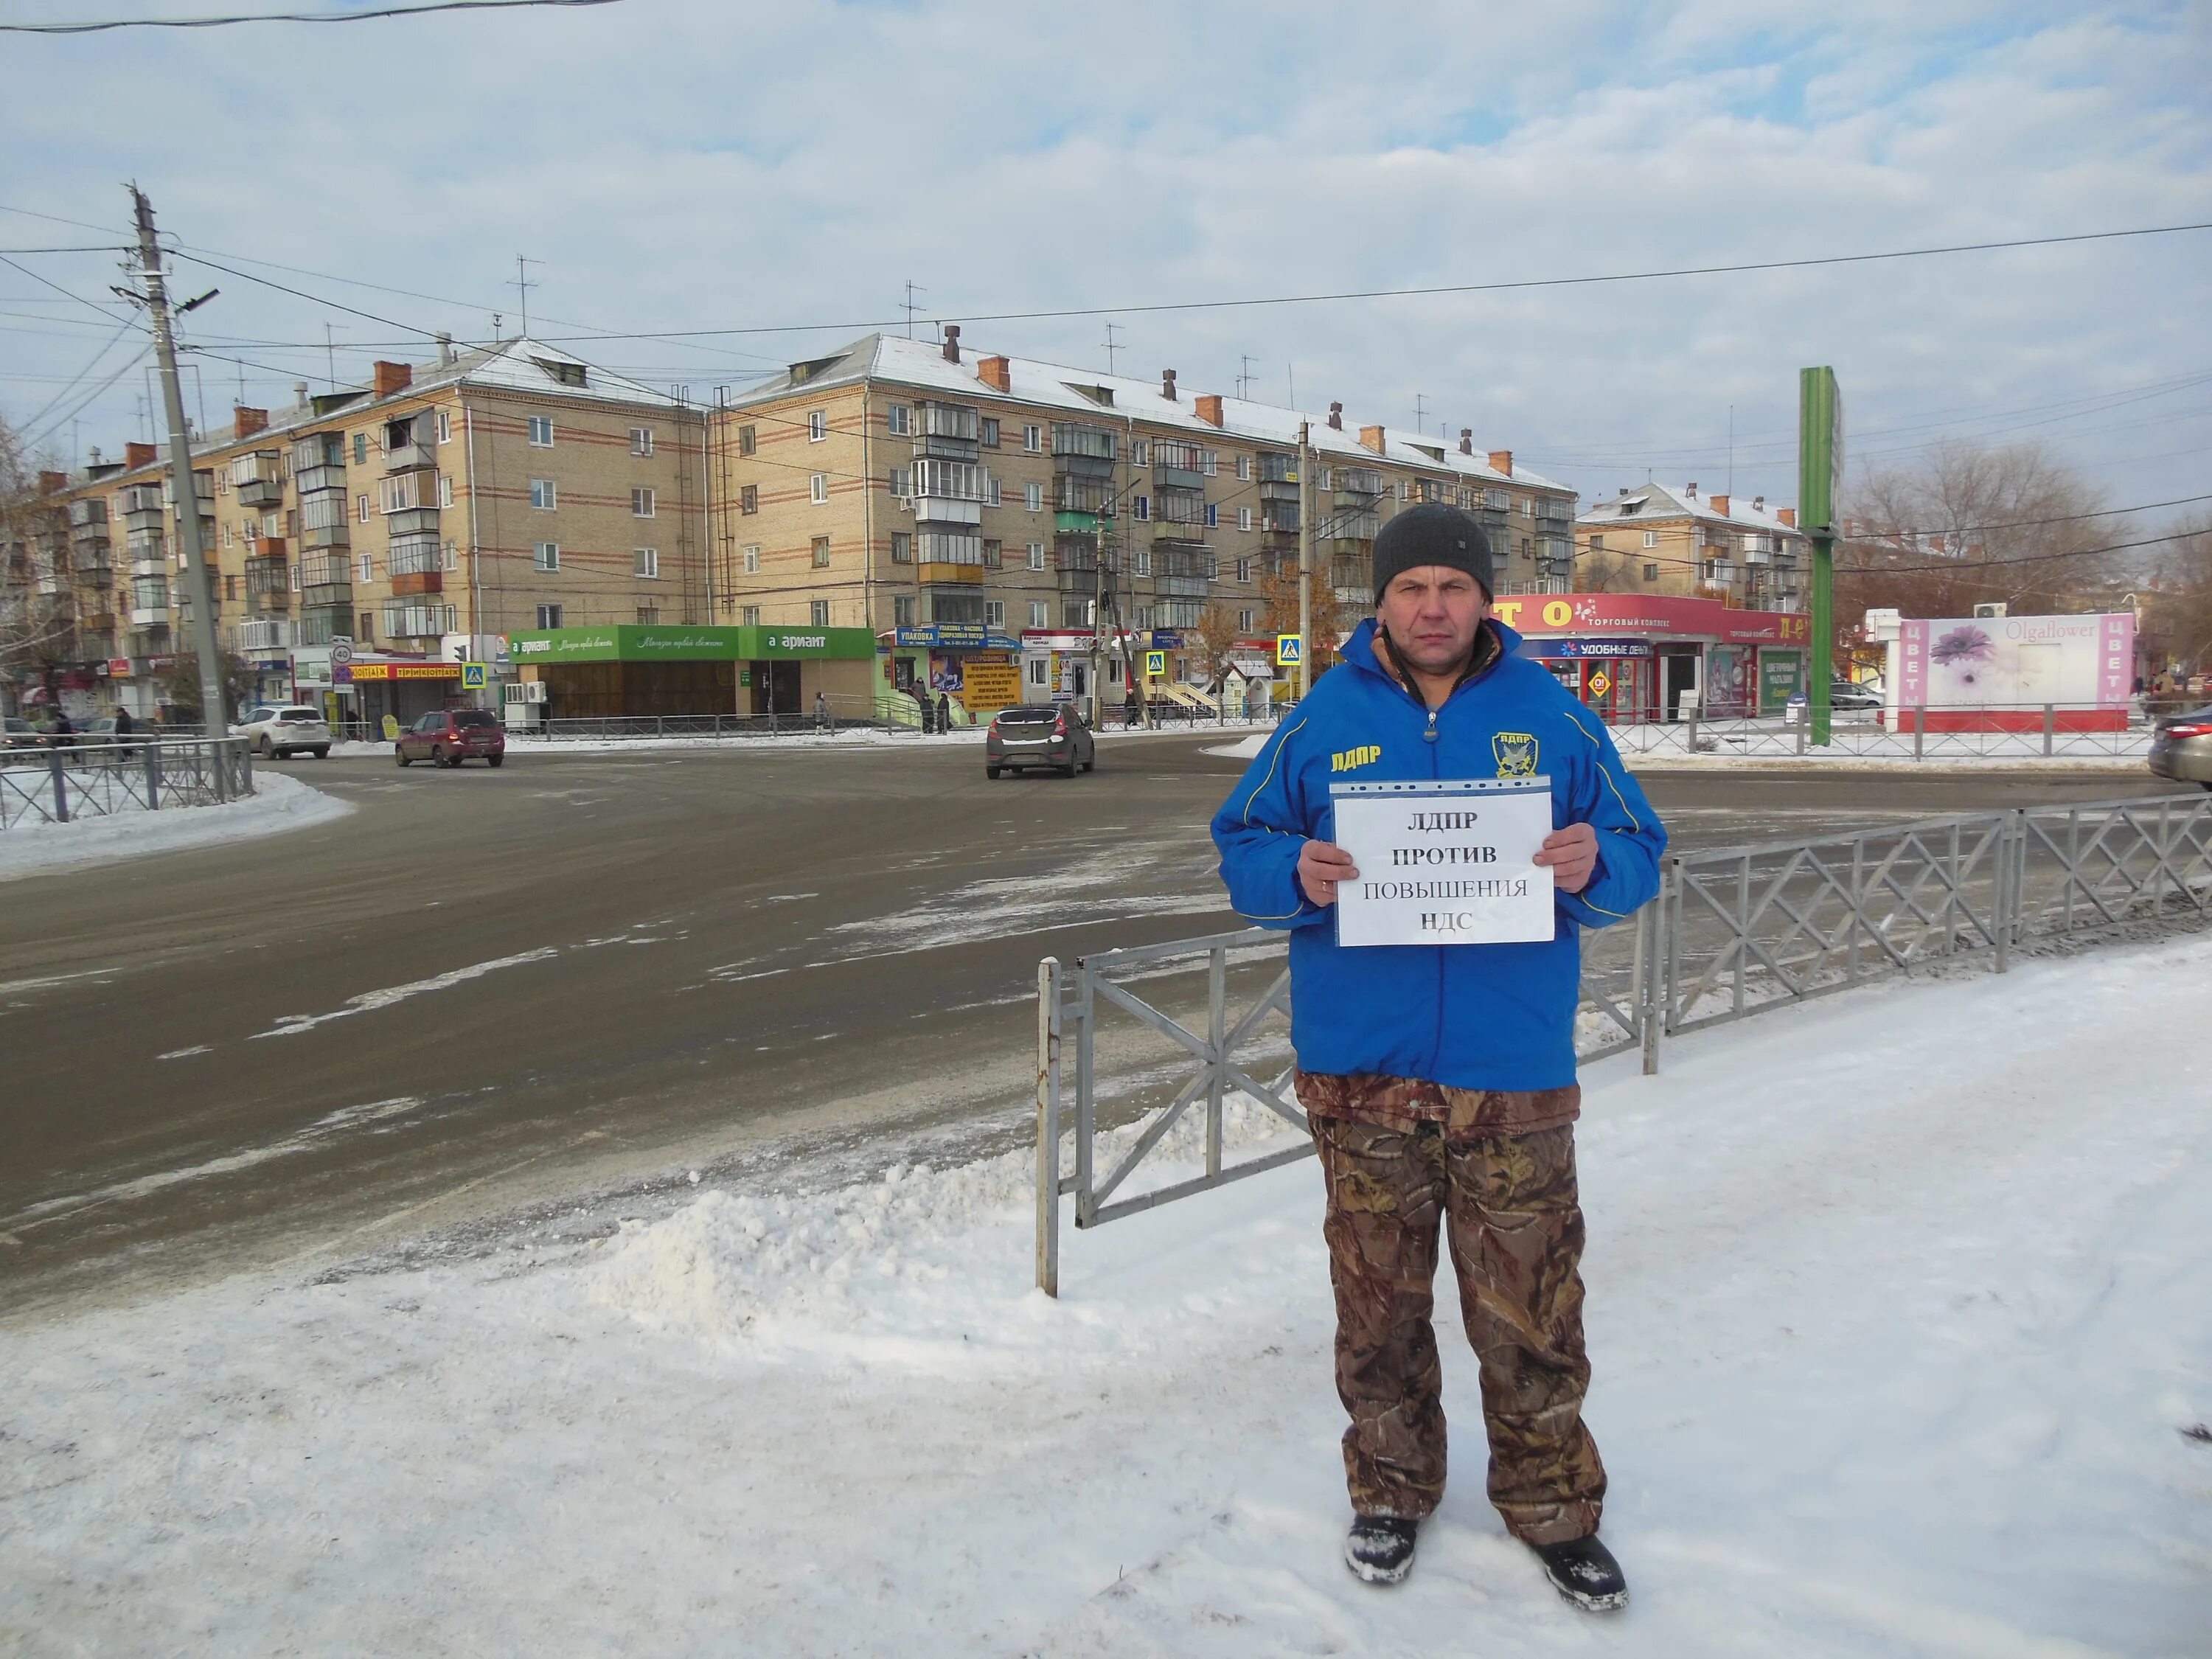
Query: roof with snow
<point>1085,394</point>
<point>1656,503</point>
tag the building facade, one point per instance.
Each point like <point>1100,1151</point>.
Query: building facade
<point>1663,539</point>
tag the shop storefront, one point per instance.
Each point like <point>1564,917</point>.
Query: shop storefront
<point>627,671</point>
<point>975,667</point>
<point>1636,658</point>
<point>403,688</point>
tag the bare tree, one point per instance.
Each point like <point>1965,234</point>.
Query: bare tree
<point>1600,572</point>
<point>1332,618</point>
<point>1210,641</point>
<point>38,604</point>
<point>1970,524</point>
<point>2178,599</point>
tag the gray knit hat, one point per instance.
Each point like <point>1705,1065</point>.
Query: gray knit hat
<point>1433,533</point>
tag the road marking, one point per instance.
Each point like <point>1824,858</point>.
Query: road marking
<point>370,1001</point>
<point>186,1054</point>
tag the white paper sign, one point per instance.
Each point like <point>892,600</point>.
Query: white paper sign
<point>1444,862</point>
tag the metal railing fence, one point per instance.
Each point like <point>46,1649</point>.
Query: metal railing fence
<point>122,776</point>
<point>2029,731</point>
<point>1733,933</point>
<point>640,727</point>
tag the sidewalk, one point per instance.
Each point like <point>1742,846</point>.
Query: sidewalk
<point>279,803</point>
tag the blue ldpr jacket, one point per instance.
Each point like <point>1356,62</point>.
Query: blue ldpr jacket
<point>1470,1016</point>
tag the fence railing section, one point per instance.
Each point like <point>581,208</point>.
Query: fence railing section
<point>1733,933</point>
<point>2025,731</point>
<point>122,776</point>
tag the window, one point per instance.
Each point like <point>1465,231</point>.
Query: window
<point>361,508</point>
<point>1039,611</point>
<point>894,418</point>
<point>548,556</point>
<point>360,449</point>
<point>641,440</point>
<point>1244,515</point>
<point>1246,621</point>
<point>548,616</point>
<point>645,561</point>
<point>365,633</point>
<point>1144,619</point>
<point>230,587</point>
<point>641,502</point>
<point>750,617</point>
<point>817,425</point>
<point>1651,538</point>
<point>1243,570</point>
<point>1036,669</point>
<point>1037,555</point>
<point>752,559</point>
<point>444,489</point>
<point>1322,479</point>
<point>901,547</point>
<point>903,610</point>
<point>226,535</point>
<point>818,613</point>
<point>1212,516</point>
<point>749,499</point>
<point>991,493</point>
<point>1142,510</point>
<point>1650,572</point>
<point>1243,467</point>
<point>449,558</point>
<point>445,426</point>
<point>993,554</point>
<point>1140,452</point>
<point>1210,463</point>
<point>1527,549</point>
<point>1033,497</point>
<point>295,578</point>
<point>365,569</point>
<point>542,496</point>
<point>541,432</point>
<point>648,614</point>
<point>748,440</point>
<point>1032,440</point>
<point>994,614</point>
<point>821,552</point>
<point>817,488</point>
<point>990,428</point>
<point>223,481</point>
<point>1143,562</point>
<point>902,482</point>
<point>1597,544</point>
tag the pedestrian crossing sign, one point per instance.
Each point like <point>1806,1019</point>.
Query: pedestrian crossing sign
<point>473,677</point>
<point>1155,664</point>
<point>1290,650</point>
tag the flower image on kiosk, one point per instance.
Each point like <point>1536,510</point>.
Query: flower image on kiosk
<point>1444,862</point>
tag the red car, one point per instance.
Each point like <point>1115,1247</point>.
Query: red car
<point>452,736</point>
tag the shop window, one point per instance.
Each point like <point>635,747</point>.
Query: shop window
<point>1037,671</point>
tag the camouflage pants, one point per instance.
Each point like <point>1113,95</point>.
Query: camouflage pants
<point>1516,1227</point>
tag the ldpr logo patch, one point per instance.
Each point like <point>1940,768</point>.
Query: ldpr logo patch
<point>1345,759</point>
<point>1515,752</point>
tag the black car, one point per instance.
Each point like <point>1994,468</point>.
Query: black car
<point>1040,734</point>
<point>22,734</point>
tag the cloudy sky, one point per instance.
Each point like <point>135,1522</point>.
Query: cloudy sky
<point>782,171</point>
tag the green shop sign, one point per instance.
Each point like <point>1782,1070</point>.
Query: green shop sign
<point>664,642</point>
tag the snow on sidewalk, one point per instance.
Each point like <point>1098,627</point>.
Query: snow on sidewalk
<point>1900,1305</point>
<point>279,803</point>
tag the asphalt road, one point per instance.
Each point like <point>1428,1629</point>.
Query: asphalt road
<point>482,990</point>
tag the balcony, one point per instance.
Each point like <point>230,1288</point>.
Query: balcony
<point>417,622</point>
<point>320,624</point>
<point>1182,587</point>
<point>965,576</point>
<point>258,480</point>
<point>313,480</point>
<point>92,534</point>
<point>93,575</point>
<point>947,509</point>
<point>409,444</point>
<point>1182,507</point>
<point>91,513</point>
<point>420,582</point>
<point>253,639</point>
<point>1177,478</point>
<point>1073,440</point>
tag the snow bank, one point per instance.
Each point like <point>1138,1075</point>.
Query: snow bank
<point>1898,1342</point>
<point>279,803</point>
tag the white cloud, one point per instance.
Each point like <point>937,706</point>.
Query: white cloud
<point>678,163</point>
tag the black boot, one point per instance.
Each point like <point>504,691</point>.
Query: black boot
<point>1380,1548</point>
<point>1584,1571</point>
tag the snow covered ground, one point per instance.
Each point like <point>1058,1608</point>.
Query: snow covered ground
<point>278,803</point>
<point>870,738</point>
<point>1899,1344</point>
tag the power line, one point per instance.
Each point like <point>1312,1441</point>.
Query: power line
<point>56,219</point>
<point>287,16</point>
<point>1886,568</point>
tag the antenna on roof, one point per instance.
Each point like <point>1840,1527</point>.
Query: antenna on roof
<point>1245,379</point>
<point>1731,466</point>
<point>523,285</point>
<point>1112,346</point>
<point>909,307</point>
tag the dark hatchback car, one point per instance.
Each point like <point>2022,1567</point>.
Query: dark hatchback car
<point>448,738</point>
<point>1039,734</point>
<point>2181,748</point>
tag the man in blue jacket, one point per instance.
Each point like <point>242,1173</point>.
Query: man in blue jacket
<point>1440,1079</point>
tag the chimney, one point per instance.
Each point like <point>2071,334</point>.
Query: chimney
<point>1371,437</point>
<point>1336,417</point>
<point>1501,460</point>
<point>1788,515</point>
<point>300,394</point>
<point>445,351</point>
<point>53,483</point>
<point>390,379</point>
<point>1208,406</point>
<point>1466,440</point>
<point>1691,490</point>
<point>93,456</point>
<point>1720,505</point>
<point>1167,385</point>
<point>1758,503</point>
<point>245,422</point>
<point>953,343</point>
<point>996,373</point>
<point>136,455</point>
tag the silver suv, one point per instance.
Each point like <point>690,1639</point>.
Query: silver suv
<point>279,729</point>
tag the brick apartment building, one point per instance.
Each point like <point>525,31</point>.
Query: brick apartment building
<point>1666,539</point>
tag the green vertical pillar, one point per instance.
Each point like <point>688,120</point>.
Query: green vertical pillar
<point>1819,464</point>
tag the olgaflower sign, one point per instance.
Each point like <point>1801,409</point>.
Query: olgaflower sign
<point>669,642</point>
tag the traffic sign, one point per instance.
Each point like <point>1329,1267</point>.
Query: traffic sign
<point>473,677</point>
<point>1155,664</point>
<point>341,652</point>
<point>1290,650</point>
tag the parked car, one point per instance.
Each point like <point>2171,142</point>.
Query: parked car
<point>451,736</point>
<point>1842,694</point>
<point>1039,734</point>
<point>22,734</point>
<point>102,734</point>
<point>281,729</point>
<point>2181,747</point>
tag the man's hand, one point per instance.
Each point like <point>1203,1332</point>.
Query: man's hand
<point>1322,864</point>
<point>1571,852</point>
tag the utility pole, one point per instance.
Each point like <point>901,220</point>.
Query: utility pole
<point>214,712</point>
<point>330,356</point>
<point>1819,464</point>
<point>1305,557</point>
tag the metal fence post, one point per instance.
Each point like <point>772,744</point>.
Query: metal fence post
<point>2050,724</point>
<point>1651,927</point>
<point>1919,730</point>
<point>2011,848</point>
<point>153,777</point>
<point>245,767</point>
<point>1086,1100</point>
<point>1048,1130</point>
<point>1217,1036</point>
<point>61,787</point>
<point>1693,727</point>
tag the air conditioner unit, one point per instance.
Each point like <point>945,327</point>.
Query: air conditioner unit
<point>533,690</point>
<point>1997,609</point>
<point>514,691</point>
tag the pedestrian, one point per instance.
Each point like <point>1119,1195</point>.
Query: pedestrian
<point>59,733</point>
<point>821,720</point>
<point>944,712</point>
<point>1439,1081</point>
